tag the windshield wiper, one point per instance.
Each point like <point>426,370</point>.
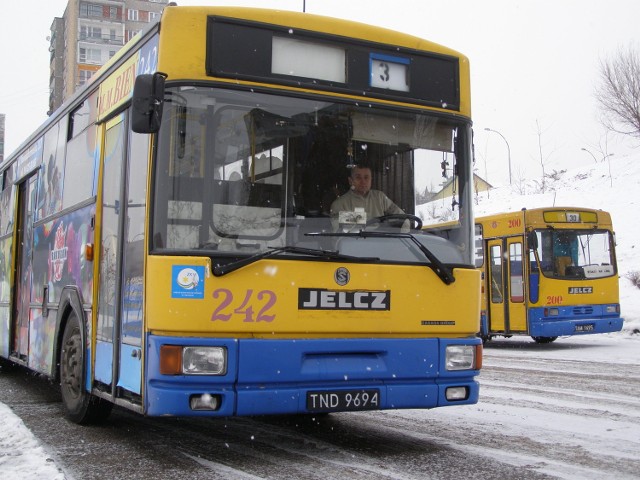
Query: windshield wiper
<point>220,270</point>
<point>444,273</point>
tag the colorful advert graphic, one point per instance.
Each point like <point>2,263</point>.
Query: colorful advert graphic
<point>187,281</point>
<point>59,255</point>
<point>117,88</point>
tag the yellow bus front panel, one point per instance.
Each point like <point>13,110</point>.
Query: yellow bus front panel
<point>276,298</point>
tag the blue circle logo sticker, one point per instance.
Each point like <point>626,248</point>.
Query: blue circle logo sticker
<point>187,281</point>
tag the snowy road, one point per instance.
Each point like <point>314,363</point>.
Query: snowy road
<point>570,410</point>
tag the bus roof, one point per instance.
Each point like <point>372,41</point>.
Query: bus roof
<point>559,217</point>
<point>172,30</point>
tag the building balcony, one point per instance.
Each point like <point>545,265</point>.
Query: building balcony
<point>103,40</point>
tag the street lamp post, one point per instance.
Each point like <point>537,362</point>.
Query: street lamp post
<point>508,149</point>
<point>589,152</point>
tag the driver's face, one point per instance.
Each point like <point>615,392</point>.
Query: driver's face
<point>360,180</point>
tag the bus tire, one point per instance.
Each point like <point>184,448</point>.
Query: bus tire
<point>81,406</point>
<point>544,339</point>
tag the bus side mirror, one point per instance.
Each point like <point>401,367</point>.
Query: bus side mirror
<point>532,241</point>
<point>148,99</point>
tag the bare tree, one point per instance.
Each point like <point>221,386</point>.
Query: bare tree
<point>603,146</point>
<point>618,91</point>
<point>520,183</point>
<point>542,184</point>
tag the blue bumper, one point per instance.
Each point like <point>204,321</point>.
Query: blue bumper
<point>274,376</point>
<point>574,320</point>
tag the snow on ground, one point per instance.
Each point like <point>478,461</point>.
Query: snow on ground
<point>21,455</point>
<point>612,187</point>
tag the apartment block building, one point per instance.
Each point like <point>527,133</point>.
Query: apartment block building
<point>2,116</point>
<point>88,34</point>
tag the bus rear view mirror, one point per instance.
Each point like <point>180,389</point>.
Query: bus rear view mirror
<point>148,99</point>
<point>532,240</point>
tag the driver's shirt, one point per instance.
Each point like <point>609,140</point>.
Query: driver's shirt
<point>375,204</point>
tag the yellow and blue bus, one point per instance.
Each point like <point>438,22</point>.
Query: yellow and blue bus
<point>166,239</point>
<point>548,272</point>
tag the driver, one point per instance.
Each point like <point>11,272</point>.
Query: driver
<point>361,197</point>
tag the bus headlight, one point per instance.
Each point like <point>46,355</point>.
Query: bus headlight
<point>204,360</point>
<point>460,357</point>
<point>192,360</point>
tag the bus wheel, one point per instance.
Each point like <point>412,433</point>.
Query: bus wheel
<point>543,339</point>
<point>81,407</point>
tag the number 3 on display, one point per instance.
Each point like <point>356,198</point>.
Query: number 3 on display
<point>384,71</point>
<point>389,72</point>
<point>263,301</point>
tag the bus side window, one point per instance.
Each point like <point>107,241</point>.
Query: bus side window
<point>80,162</point>
<point>516,274</point>
<point>545,252</point>
<point>496,274</point>
<point>50,182</point>
<point>479,245</point>
<point>6,202</point>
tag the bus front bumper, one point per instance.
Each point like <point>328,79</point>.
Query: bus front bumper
<point>306,376</point>
<point>573,320</point>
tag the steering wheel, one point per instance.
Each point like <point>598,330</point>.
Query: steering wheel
<point>396,220</point>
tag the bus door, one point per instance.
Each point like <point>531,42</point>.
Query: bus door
<point>505,283</point>
<point>515,293</point>
<point>120,291</point>
<point>22,278</point>
<point>495,287</point>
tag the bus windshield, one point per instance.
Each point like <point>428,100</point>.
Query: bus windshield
<point>240,172</point>
<point>573,253</point>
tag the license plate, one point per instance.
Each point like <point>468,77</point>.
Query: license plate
<point>343,400</point>
<point>588,327</point>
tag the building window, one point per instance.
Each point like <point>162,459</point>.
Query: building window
<point>131,33</point>
<point>89,10</point>
<point>133,15</point>
<point>154,17</point>
<point>94,55</point>
<point>90,55</point>
<point>84,76</point>
<point>90,32</point>
<point>113,12</point>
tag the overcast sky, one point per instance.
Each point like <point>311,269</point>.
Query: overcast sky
<point>534,67</point>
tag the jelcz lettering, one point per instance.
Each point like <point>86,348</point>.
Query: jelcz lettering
<point>580,290</point>
<point>319,299</point>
